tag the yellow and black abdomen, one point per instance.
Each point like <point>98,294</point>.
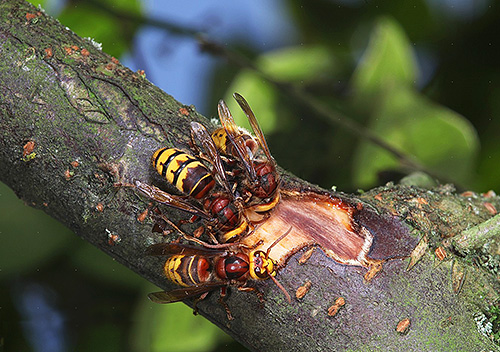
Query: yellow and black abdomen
<point>187,173</point>
<point>189,270</point>
<point>219,136</point>
<point>226,147</point>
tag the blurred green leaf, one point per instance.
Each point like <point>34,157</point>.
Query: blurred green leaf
<point>29,238</point>
<point>293,64</point>
<point>88,20</point>
<point>101,337</point>
<point>488,166</point>
<point>42,3</point>
<point>387,62</point>
<point>260,96</point>
<point>173,327</point>
<point>99,265</point>
<point>437,137</point>
<point>296,64</point>
<point>51,7</point>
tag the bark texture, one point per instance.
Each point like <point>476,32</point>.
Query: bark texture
<point>74,121</point>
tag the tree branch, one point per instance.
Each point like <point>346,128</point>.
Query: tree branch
<point>74,122</point>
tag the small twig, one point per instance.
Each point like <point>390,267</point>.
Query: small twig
<point>297,94</point>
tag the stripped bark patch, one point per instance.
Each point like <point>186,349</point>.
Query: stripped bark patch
<point>334,309</point>
<point>142,216</point>
<point>440,253</point>
<point>68,174</point>
<point>345,231</point>
<point>113,238</point>
<point>457,277</point>
<point>490,207</point>
<point>418,252</point>
<point>373,270</point>
<point>28,148</point>
<point>302,290</point>
<point>305,257</point>
<point>403,326</point>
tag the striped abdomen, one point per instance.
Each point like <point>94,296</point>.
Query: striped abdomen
<point>226,147</point>
<point>187,270</point>
<point>185,172</point>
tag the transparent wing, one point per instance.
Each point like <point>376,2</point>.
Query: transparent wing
<point>171,200</point>
<point>181,294</point>
<point>236,138</point>
<point>255,125</point>
<point>210,149</point>
<point>168,249</point>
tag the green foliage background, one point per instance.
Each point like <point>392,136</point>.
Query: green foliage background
<point>363,61</point>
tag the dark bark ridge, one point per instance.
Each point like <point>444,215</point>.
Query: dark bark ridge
<point>93,123</point>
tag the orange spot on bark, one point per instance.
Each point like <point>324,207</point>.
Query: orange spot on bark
<point>490,207</point>
<point>305,257</point>
<point>184,111</point>
<point>403,326</point>
<point>440,253</point>
<point>302,290</point>
<point>333,310</point>
<point>48,53</point>
<point>142,216</point>
<point>28,148</point>
<point>67,174</point>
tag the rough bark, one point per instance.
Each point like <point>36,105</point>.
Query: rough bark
<point>74,121</point>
